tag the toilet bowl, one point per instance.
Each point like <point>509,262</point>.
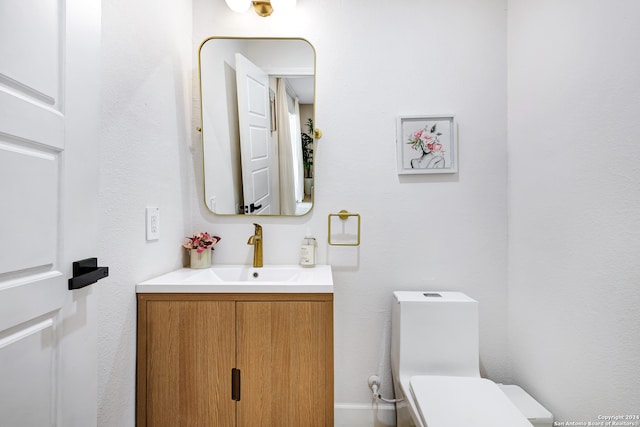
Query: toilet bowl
<point>435,367</point>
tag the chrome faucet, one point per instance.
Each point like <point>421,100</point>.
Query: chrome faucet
<point>256,241</point>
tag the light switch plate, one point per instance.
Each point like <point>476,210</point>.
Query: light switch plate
<point>153,223</point>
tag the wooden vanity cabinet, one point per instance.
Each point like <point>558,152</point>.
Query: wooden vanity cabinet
<point>188,345</point>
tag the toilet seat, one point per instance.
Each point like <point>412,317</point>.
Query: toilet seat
<point>444,401</point>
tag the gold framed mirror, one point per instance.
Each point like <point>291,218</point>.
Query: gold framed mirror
<point>257,108</point>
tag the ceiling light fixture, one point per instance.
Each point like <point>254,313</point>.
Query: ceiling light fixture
<point>262,7</point>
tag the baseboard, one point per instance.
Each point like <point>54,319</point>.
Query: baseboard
<point>364,415</point>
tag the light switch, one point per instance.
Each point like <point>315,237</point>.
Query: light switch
<point>153,223</point>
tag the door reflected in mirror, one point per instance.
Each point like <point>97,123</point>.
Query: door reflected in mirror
<point>258,103</point>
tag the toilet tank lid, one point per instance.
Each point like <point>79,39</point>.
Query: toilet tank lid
<point>464,401</point>
<point>431,296</point>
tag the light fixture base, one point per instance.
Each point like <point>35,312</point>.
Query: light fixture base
<point>263,8</point>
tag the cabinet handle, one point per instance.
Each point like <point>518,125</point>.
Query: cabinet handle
<point>235,384</point>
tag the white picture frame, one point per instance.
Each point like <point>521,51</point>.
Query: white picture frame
<point>426,144</point>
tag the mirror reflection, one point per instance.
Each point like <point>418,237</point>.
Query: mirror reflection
<point>257,125</point>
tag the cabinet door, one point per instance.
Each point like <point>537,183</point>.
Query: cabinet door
<point>190,354</point>
<point>282,355</point>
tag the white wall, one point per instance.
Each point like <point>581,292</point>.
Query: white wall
<point>574,186</point>
<point>146,115</point>
<point>421,232</point>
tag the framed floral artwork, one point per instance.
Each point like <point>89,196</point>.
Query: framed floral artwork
<point>427,144</point>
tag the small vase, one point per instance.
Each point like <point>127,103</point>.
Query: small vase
<point>202,259</point>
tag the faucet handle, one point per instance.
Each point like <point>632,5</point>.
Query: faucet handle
<point>258,227</point>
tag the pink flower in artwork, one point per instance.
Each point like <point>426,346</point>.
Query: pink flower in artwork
<point>426,140</point>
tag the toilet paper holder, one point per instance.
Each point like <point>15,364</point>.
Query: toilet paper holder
<point>86,272</point>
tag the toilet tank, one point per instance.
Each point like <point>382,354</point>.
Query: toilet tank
<point>434,333</point>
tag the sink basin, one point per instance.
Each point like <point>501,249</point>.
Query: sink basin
<point>238,274</point>
<point>243,279</point>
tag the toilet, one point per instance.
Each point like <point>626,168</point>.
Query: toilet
<point>436,369</point>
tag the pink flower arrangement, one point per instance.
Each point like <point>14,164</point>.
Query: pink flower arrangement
<point>201,242</point>
<point>426,139</point>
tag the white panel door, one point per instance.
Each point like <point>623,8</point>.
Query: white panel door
<point>255,136</point>
<point>49,118</point>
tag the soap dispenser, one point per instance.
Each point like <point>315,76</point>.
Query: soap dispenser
<point>308,251</point>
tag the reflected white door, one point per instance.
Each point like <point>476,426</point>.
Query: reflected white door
<point>49,121</point>
<point>255,136</point>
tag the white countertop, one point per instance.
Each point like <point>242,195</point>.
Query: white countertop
<point>243,279</point>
